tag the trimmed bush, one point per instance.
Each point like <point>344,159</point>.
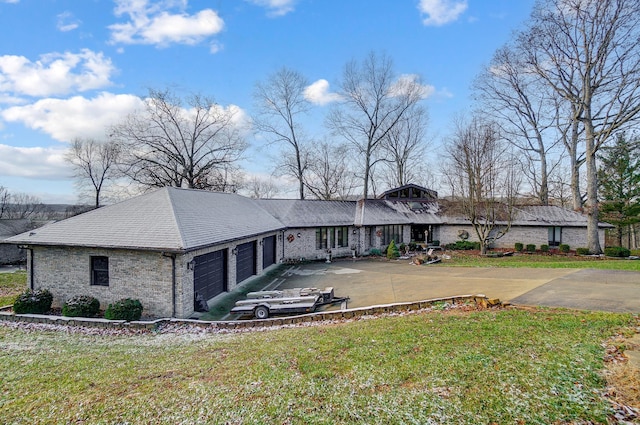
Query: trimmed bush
<point>392,251</point>
<point>544,248</point>
<point>519,246</point>
<point>582,251</point>
<point>616,251</point>
<point>375,251</point>
<point>564,248</point>
<point>531,247</point>
<point>125,309</point>
<point>81,306</point>
<point>435,243</point>
<point>33,302</point>
<point>463,245</point>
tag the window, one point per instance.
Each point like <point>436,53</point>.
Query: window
<point>342,237</point>
<point>322,238</point>
<point>555,236</point>
<point>391,233</point>
<point>332,237</point>
<point>100,271</point>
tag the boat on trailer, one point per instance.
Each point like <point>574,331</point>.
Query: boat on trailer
<point>262,304</point>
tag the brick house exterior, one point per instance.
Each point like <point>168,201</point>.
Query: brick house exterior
<point>169,246</point>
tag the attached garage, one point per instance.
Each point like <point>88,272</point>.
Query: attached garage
<point>268,251</point>
<point>245,261</point>
<point>210,274</point>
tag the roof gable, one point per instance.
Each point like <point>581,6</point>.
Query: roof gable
<point>166,219</point>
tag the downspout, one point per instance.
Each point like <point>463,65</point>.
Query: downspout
<point>173,282</point>
<point>31,274</point>
<point>29,264</point>
<point>173,285</point>
<point>282,240</point>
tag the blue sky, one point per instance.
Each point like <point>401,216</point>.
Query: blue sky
<point>71,68</point>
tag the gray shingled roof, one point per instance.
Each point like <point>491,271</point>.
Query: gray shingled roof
<point>309,213</point>
<point>168,219</point>
<point>374,212</point>
<point>12,227</point>
<point>550,216</point>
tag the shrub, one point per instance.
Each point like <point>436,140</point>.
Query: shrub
<point>125,309</point>
<point>435,243</point>
<point>375,251</point>
<point>392,251</point>
<point>564,248</point>
<point>544,248</point>
<point>402,248</point>
<point>616,251</point>
<point>582,251</point>
<point>463,245</point>
<point>33,302</point>
<point>81,306</point>
<point>519,246</point>
<point>531,247</point>
<point>412,246</point>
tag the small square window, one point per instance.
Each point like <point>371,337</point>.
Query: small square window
<point>100,271</point>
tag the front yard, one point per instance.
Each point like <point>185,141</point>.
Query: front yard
<point>447,366</point>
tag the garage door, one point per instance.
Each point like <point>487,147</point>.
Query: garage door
<point>210,274</point>
<point>268,251</point>
<point>245,261</point>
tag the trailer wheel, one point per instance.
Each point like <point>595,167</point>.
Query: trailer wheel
<point>261,312</point>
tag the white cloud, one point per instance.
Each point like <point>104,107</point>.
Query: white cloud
<point>9,1</point>
<point>66,119</point>
<point>319,94</point>
<point>276,7</point>
<point>407,81</point>
<point>67,22</point>
<point>151,23</point>
<point>440,12</point>
<point>54,73</point>
<point>36,162</point>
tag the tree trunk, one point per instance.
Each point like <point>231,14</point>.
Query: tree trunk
<point>593,241</point>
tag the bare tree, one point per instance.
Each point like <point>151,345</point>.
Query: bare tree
<point>514,95</point>
<point>171,144</point>
<point>374,102</point>
<point>281,104</point>
<point>5,197</point>
<point>95,164</point>
<point>329,175</point>
<point>588,52</point>
<point>23,205</point>
<point>404,148</point>
<point>260,188</point>
<point>484,183</point>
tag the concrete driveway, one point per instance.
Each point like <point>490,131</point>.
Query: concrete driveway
<point>372,282</point>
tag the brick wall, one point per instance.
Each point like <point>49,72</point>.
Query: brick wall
<point>301,243</point>
<point>142,275</point>
<point>575,237</point>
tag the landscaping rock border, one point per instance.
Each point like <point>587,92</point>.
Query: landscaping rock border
<point>480,301</point>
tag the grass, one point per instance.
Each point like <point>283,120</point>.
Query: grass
<point>11,284</point>
<point>460,258</point>
<point>493,366</point>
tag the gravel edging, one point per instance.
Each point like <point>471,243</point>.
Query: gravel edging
<point>104,326</point>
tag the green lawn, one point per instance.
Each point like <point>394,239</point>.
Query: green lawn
<point>11,284</point>
<point>460,258</point>
<point>480,367</point>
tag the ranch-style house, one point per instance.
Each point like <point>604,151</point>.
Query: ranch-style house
<point>171,246</point>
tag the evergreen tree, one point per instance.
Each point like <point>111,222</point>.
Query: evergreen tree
<point>619,178</point>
